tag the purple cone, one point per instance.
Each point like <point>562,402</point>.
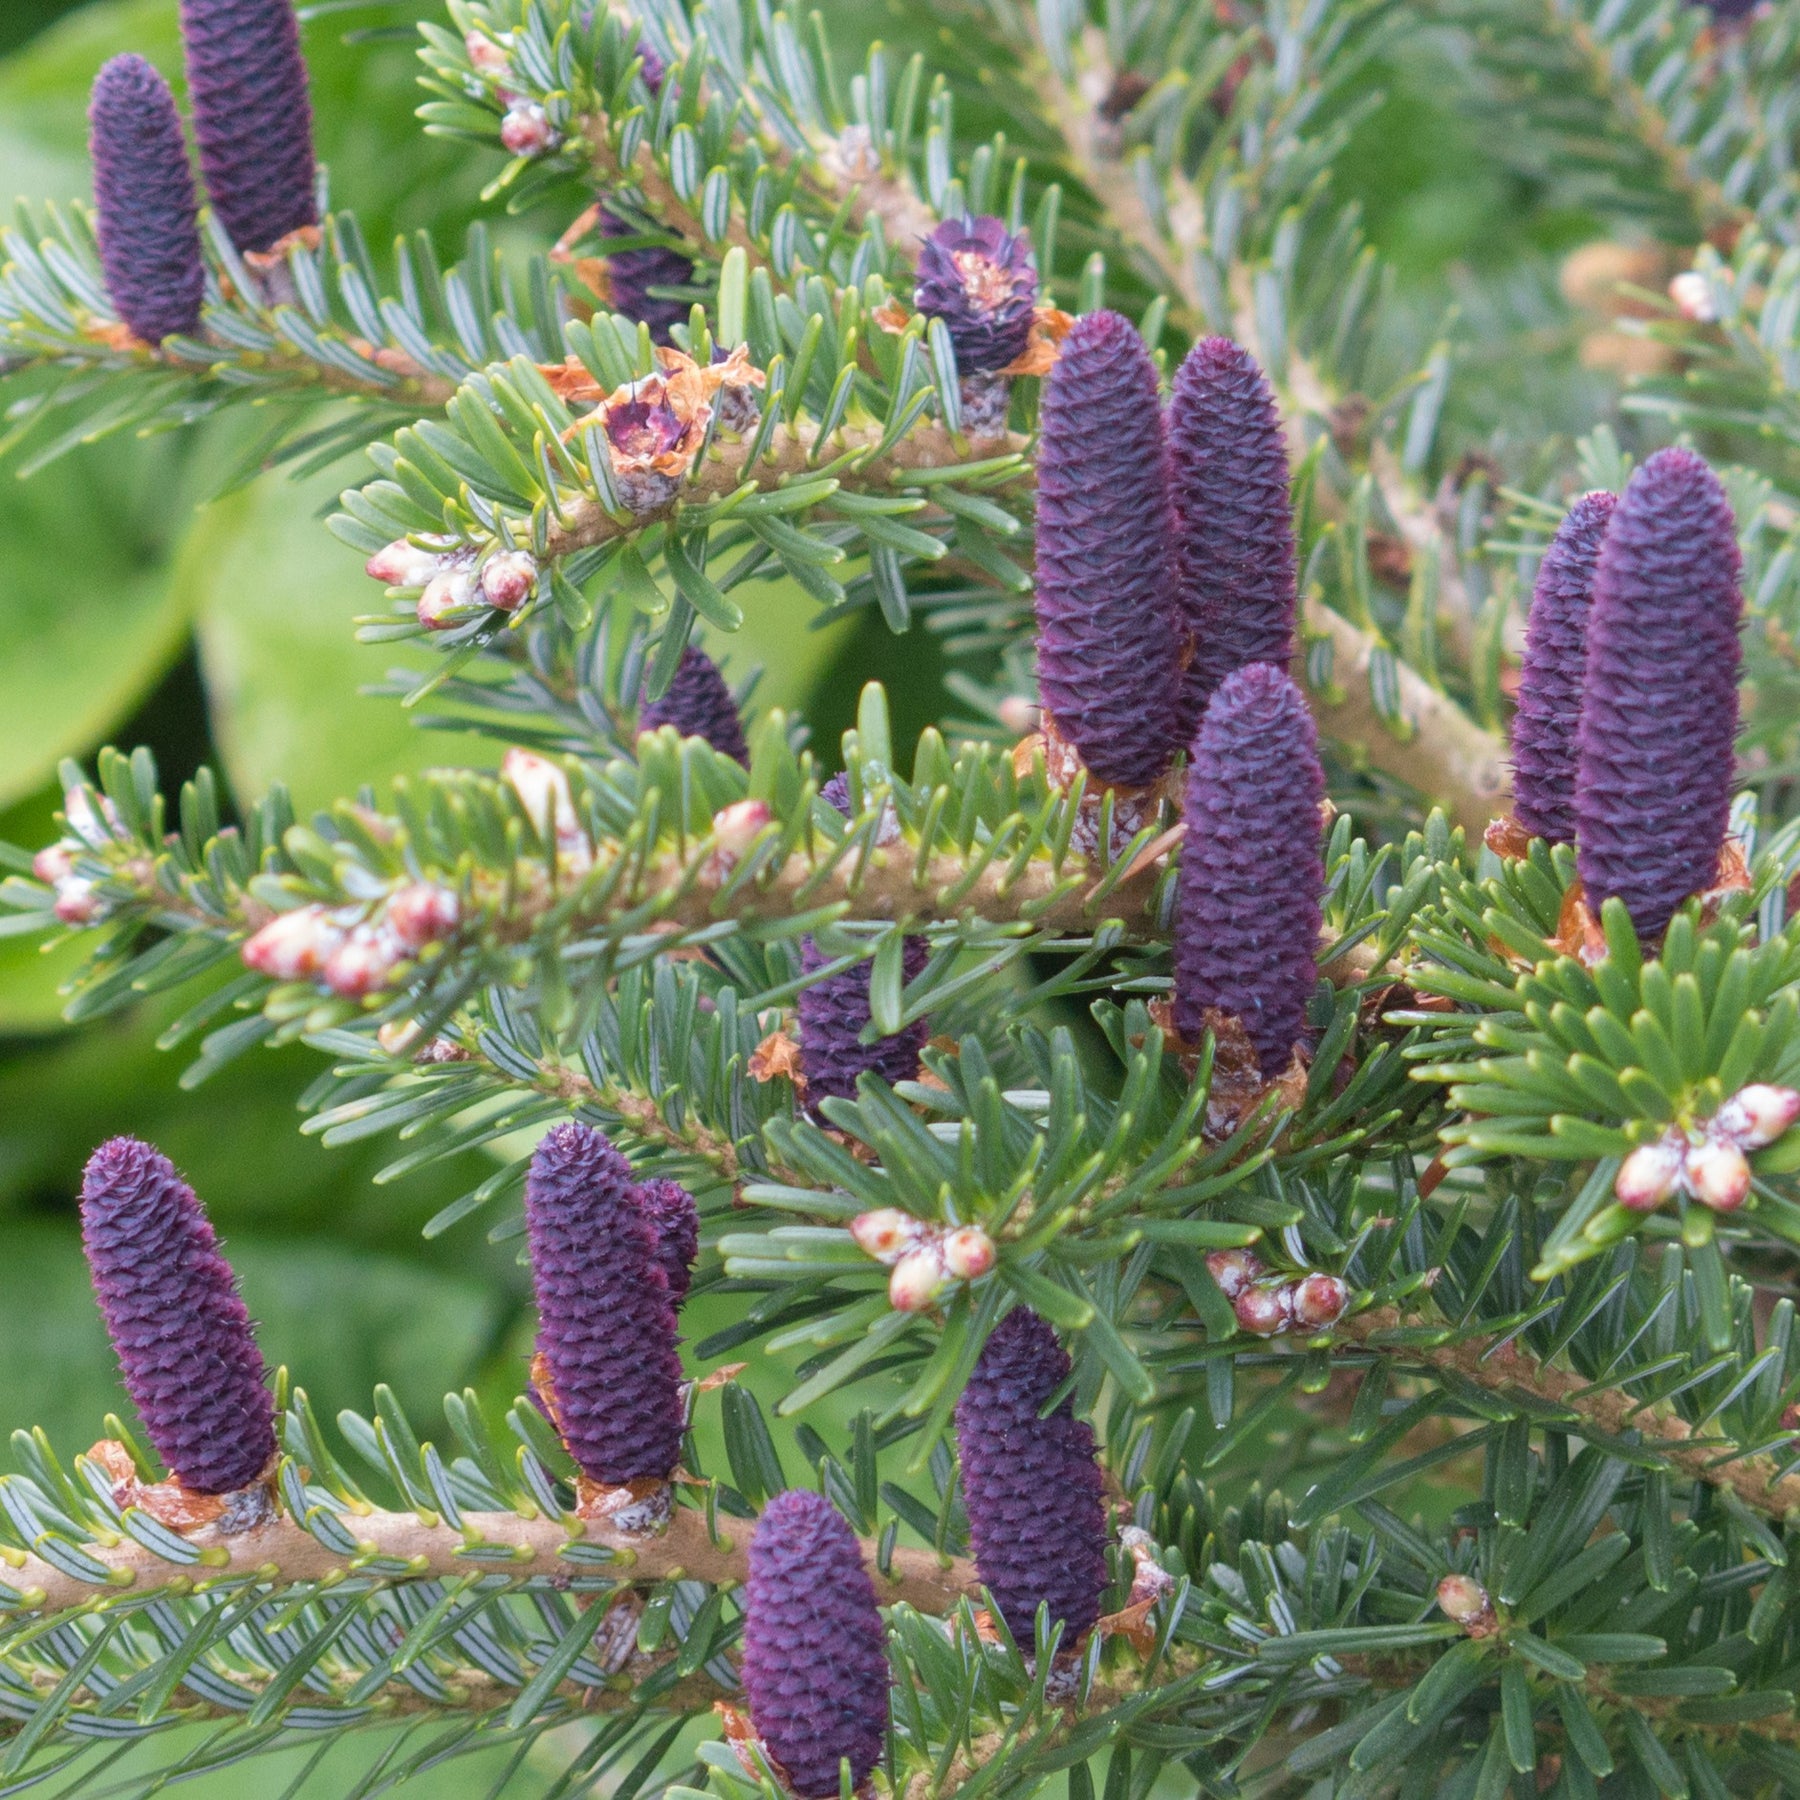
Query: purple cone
<point>1252,870</point>
<point>631,274</point>
<point>815,1656</point>
<point>1107,634</point>
<point>1234,530</point>
<point>699,704</point>
<point>171,1305</point>
<point>1659,715</point>
<point>836,793</point>
<point>247,88</point>
<point>981,281</point>
<point>1035,1497</point>
<point>606,1324</point>
<point>144,199</point>
<point>1550,683</point>
<point>676,1222</point>
<point>833,1015</point>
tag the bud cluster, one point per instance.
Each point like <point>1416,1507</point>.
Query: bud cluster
<point>525,129</point>
<point>355,951</point>
<point>1708,1163</point>
<point>93,825</point>
<point>453,584</point>
<point>1269,1304</point>
<point>925,1258</point>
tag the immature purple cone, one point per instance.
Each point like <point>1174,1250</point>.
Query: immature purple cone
<point>1035,1498</point>
<point>1234,529</point>
<point>815,1658</point>
<point>676,1222</point>
<point>252,117</point>
<point>183,1337</point>
<point>631,274</point>
<point>1660,712</point>
<point>1107,634</point>
<point>699,704</point>
<point>1252,871</point>
<point>833,1013</point>
<point>981,281</point>
<point>606,1324</point>
<point>836,793</point>
<point>144,199</point>
<point>1555,668</point>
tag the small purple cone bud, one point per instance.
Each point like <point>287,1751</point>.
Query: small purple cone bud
<point>1107,634</point>
<point>815,1649</point>
<point>1659,713</point>
<point>171,1305</point>
<point>1555,667</point>
<point>606,1326</point>
<point>144,198</point>
<point>252,117</point>
<point>833,1015</point>
<point>631,274</point>
<point>676,1221</point>
<point>1252,872</point>
<point>1036,1500</point>
<point>1234,531</point>
<point>980,280</point>
<point>836,793</point>
<point>699,704</point>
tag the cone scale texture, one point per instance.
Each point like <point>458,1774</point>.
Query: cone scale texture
<point>1107,659</point>
<point>606,1322</point>
<point>1660,712</point>
<point>699,704</point>
<point>1234,533</point>
<point>1036,1503</point>
<point>631,274</point>
<point>144,202</point>
<point>673,1218</point>
<point>833,1014</point>
<point>1252,871</point>
<point>980,280</point>
<point>252,117</point>
<point>171,1305</point>
<point>815,1661</point>
<point>1555,667</point>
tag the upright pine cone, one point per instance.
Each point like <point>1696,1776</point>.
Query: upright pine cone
<point>815,1659</point>
<point>1234,530</point>
<point>1036,1501</point>
<point>631,274</point>
<point>833,1013</point>
<point>1660,713</point>
<point>980,280</point>
<point>1550,682</point>
<point>1252,872</point>
<point>676,1222</point>
<point>606,1324</point>
<point>171,1305</point>
<point>699,704</point>
<point>1107,631</point>
<point>252,117</point>
<point>144,199</point>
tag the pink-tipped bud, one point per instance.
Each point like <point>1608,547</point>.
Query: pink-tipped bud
<point>1756,1115</point>
<point>76,901</point>
<point>525,130</point>
<point>918,1278</point>
<point>1693,297</point>
<point>1462,1599</point>
<point>1233,1270</point>
<point>421,913</point>
<point>886,1234</point>
<point>1717,1175</point>
<point>735,829</point>
<point>485,56</point>
<point>1264,1311</point>
<point>54,863</point>
<point>543,791</point>
<point>294,946</point>
<point>968,1253</point>
<point>448,595</point>
<point>1649,1175</point>
<point>507,580</point>
<point>1019,715</point>
<point>361,964</point>
<point>94,822</point>
<point>1319,1300</point>
<point>403,565</point>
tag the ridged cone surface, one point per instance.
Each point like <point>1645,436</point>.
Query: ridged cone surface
<point>1252,868</point>
<point>631,274</point>
<point>1035,1495</point>
<point>252,116</point>
<point>1108,637</point>
<point>836,793</point>
<point>1659,714</point>
<point>699,704</point>
<point>171,1305</point>
<point>815,1660</point>
<point>676,1222</point>
<point>981,281</point>
<point>144,199</point>
<point>1554,671</point>
<point>833,1013</point>
<point>1234,526</point>
<point>606,1323</point>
